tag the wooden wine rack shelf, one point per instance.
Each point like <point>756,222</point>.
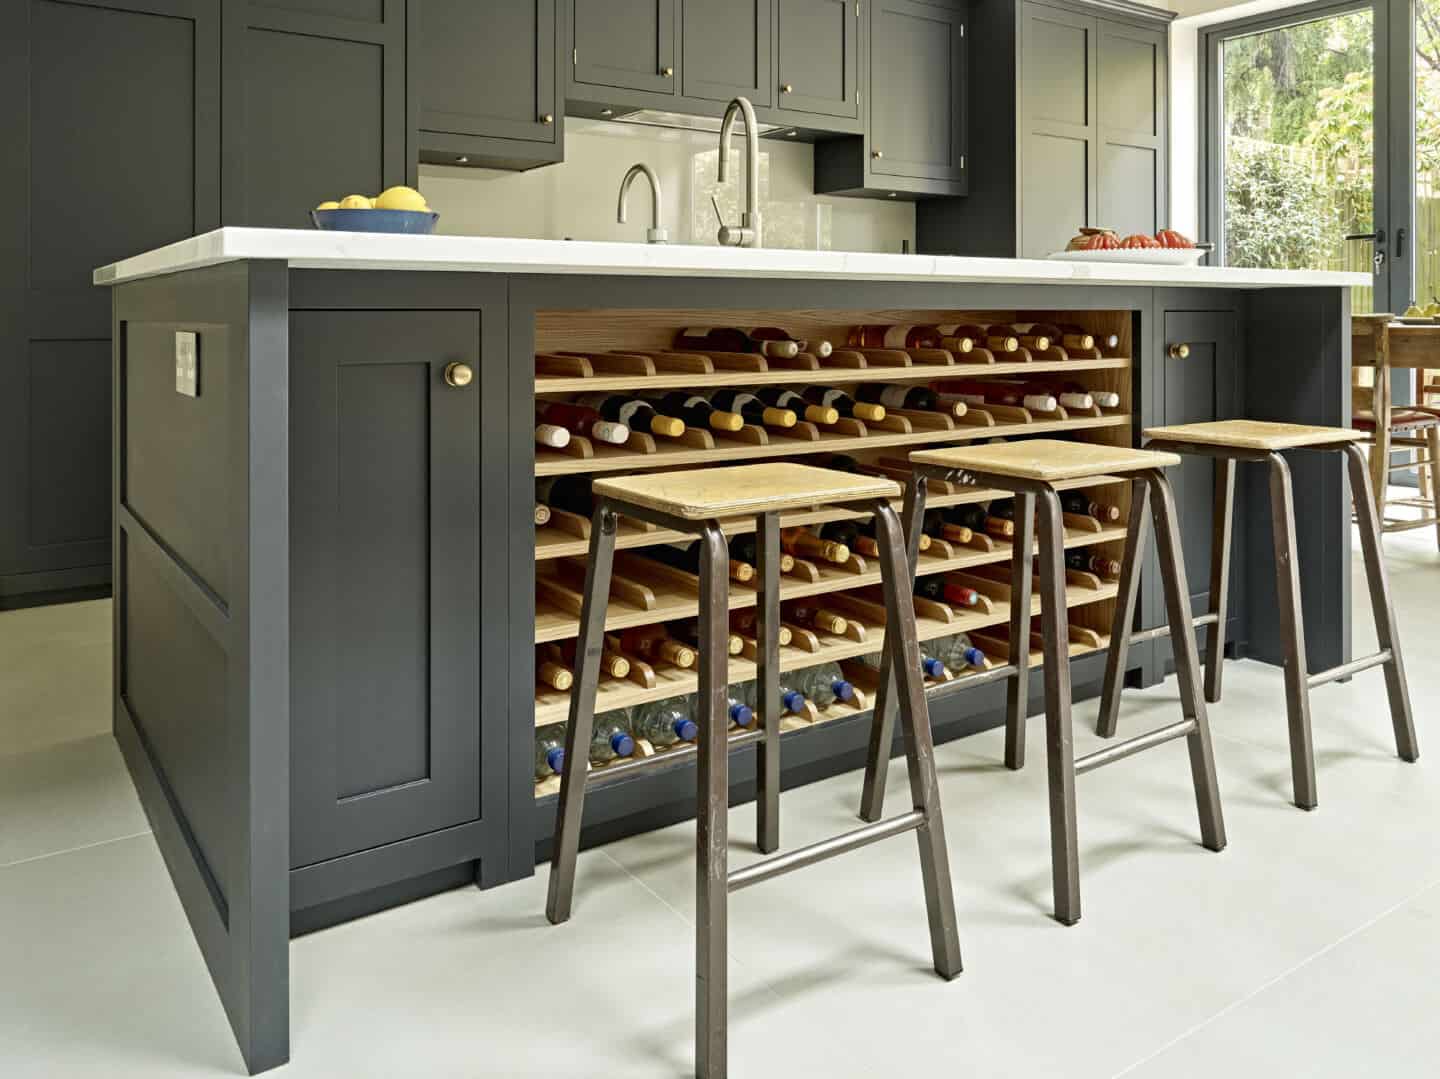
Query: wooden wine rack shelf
<point>675,600</point>
<point>824,375</point>
<point>669,454</point>
<point>553,706</point>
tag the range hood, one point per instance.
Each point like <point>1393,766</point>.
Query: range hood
<point>679,121</point>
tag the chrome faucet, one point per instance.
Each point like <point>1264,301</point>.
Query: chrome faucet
<point>656,233</point>
<point>749,233</point>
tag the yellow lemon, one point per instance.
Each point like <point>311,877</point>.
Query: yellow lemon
<point>400,198</point>
<point>329,204</point>
<point>355,202</point>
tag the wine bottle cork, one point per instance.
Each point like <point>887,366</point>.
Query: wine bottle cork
<point>667,426</point>
<point>958,533</point>
<point>1002,344</point>
<point>998,526</point>
<point>822,414</point>
<point>726,421</point>
<point>828,621</point>
<point>542,513</point>
<point>779,417</point>
<point>675,652</point>
<point>614,664</point>
<point>547,434</point>
<point>741,571</point>
<point>873,413</point>
<point>554,675</point>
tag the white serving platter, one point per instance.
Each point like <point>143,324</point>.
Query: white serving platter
<point>1147,256</point>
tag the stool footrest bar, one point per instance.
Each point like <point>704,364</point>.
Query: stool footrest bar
<point>826,848</point>
<point>1345,670</point>
<point>1131,746</point>
<point>1143,635</point>
<point>970,681</point>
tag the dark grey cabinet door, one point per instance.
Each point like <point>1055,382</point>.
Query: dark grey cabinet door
<point>111,148</point>
<point>917,90</point>
<point>385,578</point>
<point>725,50</point>
<point>314,109</point>
<point>817,49</point>
<point>1058,128</point>
<point>1131,80</point>
<point>628,44</point>
<point>487,70</point>
<point>1203,386</point>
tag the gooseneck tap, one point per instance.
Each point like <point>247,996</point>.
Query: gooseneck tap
<point>656,233</point>
<point>749,234</point>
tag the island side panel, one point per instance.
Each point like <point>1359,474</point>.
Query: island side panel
<point>1298,369</point>
<point>201,617</point>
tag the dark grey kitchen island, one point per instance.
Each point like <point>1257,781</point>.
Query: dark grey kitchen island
<point>330,587</point>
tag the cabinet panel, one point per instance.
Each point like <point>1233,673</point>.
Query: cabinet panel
<point>69,443</point>
<point>816,52</point>
<point>1057,67</point>
<point>725,50</point>
<point>1130,182</point>
<point>1055,192</point>
<point>487,70</point>
<point>917,91</point>
<point>1132,94</point>
<point>629,44</point>
<point>360,10</point>
<point>385,663</point>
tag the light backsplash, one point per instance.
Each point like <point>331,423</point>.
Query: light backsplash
<point>576,199</point>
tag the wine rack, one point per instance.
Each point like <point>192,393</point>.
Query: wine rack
<point>631,351</point>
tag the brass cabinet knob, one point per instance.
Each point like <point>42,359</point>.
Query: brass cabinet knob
<point>877,154</point>
<point>1178,351</point>
<point>547,119</point>
<point>667,72</point>
<point>787,88</point>
<point>459,375</point>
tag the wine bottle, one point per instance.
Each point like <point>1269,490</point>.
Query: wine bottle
<point>845,533</point>
<point>960,595</point>
<point>1103,398</point>
<point>1072,338</point>
<point>791,700</point>
<point>957,652</point>
<point>947,526</point>
<point>1079,502</point>
<point>733,339</point>
<point>802,543</point>
<point>1071,395</point>
<point>930,667</point>
<point>931,587</point>
<point>843,403</point>
<point>824,684</point>
<point>542,514</point>
<point>664,723</point>
<point>819,347</point>
<point>688,630</point>
<point>980,392</point>
<point>1092,563</point>
<point>1107,342</point>
<point>745,548</point>
<point>570,493</point>
<point>634,413</point>
<point>752,408</point>
<point>808,613</point>
<point>688,559</point>
<point>695,411</point>
<point>867,542</point>
<point>579,420</point>
<point>979,336</point>
<point>897,395</point>
<point>950,338</point>
<point>609,739</point>
<point>746,622</point>
<point>652,642</point>
<point>997,521</point>
<point>549,750</point>
<point>555,438</point>
<point>611,663</point>
<point>789,399</point>
<point>897,337</point>
<point>1035,340</point>
<point>553,674</point>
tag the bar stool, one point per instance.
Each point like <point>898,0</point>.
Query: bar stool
<point>1030,469</point>
<point>694,501</point>
<point>1229,441</point>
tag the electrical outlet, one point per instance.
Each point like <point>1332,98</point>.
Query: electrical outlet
<point>187,363</point>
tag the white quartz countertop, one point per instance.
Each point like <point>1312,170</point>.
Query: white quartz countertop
<point>315,250</point>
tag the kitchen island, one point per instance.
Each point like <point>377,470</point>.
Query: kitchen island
<point>332,593</point>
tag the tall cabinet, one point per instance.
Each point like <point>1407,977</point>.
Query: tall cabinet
<point>1077,131</point>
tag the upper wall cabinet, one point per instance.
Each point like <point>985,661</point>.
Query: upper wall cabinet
<point>915,141</point>
<point>1132,100</point>
<point>313,105</point>
<point>817,57</point>
<point>623,45</point>
<point>725,50</point>
<point>485,83</point>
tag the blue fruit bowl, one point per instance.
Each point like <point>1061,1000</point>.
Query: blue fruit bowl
<point>414,222</point>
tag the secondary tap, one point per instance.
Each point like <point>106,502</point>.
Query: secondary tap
<point>656,233</point>
<point>749,234</point>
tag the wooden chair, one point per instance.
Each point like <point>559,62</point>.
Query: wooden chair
<point>1376,342</point>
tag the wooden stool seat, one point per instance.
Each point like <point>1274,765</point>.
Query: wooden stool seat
<point>699,494</point>
<point>1401,419</point>
<point>1044,460</point>
<point>1261,435</point>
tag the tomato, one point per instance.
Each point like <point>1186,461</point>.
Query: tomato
<point>1102,241</point>
<point>1171,238</point>
<point>1139,239</point>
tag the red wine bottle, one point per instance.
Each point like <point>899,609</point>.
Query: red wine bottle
<point>1079,502</point>
<point>754,410</point>
<point>897,395</point>
<point>1092,563</point>
<point>688,559</point>
<point>1073,338</point>
<point>978,392</point>
<point>634,413</point>
<point>579,420</point>
<point>695,411</point>
<point>819,347</point>
<point>732,339</point>
<point>775,397</point>
<point>570,493</point>
<point>843,403</point>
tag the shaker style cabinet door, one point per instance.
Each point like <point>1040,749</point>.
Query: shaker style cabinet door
<point>1131,80</point>
<point>817,56</point>
<point>385,578</point>
<point>917,91</point>
<point>725,50</point>
<point>627,44</point>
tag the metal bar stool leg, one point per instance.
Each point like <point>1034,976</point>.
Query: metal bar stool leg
<point>1060,748</point>
<point>882,721</point>
<point>903,648</point>
<point>767,699</point>
<point>588,646</point>
<point>1125,598</point>
<point>1224,519</point>
<point>713,768</point>
<point>1187,663</point>
<point>1017,686</point>
<point>1292,629</point>
<point>1378,579</point>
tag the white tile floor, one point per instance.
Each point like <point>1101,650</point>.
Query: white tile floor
<point>1307,948</point>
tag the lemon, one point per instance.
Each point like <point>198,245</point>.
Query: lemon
<point>356,202</point>
<point>400,198</point>
<point>328,204</point>
<point>1414,312</point>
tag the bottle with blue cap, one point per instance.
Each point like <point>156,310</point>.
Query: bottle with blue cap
<point>930,667</point>
<point>663,723</point>
<point>791,698</point>
<point>611,737</point>
<point>825,684</point>
<point>549,750</point>
<point>958,652</point>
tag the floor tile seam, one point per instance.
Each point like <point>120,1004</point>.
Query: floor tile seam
<point>74,850</point>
